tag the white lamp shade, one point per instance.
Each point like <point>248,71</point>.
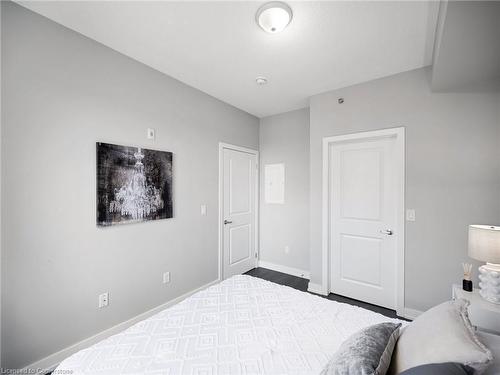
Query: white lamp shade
<point>484,243</point>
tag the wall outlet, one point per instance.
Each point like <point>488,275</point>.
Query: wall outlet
<point>166,277</point>
<point>203,210</point>
<point>103,300</point>
<point>410,214</point>
<point>287,249</point>
<point>150,133</point>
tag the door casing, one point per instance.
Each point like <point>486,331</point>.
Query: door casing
<point>228,146</point>
<point>399,135</point>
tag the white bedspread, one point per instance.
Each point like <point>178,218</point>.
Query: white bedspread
<point>244,325</point>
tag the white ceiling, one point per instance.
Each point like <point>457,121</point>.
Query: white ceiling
<point>218,48</point>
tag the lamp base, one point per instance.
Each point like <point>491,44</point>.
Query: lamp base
<point>489,284</point>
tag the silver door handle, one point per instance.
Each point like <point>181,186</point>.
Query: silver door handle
<point>227,222</point>
<point>386,231</point>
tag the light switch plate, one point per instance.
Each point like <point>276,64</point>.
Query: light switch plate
<point>203,210</point>
<point>166,277</point>
<point>410,214</point>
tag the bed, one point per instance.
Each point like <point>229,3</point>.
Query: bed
<point>243,325</point>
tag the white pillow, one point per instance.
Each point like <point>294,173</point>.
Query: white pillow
<point>441,334</point>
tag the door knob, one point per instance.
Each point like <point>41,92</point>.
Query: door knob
<point>386,231</point>
<point>227,222</point>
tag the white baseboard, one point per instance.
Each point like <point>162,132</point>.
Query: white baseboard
<point>50,363</point>
<point>406,313</point>
<point>316,289</point>
<point>285,269</point>
<point>411,313</point>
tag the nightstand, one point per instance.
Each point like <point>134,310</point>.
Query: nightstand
<point>484,315</point>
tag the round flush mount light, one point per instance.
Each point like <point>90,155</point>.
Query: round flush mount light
<point>274,16</point>
<point>261,80</point>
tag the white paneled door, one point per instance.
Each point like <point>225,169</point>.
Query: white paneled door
<point>239,177</point>
<point>363,207</point>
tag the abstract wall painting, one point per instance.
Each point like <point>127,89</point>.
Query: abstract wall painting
<point>133,184</point>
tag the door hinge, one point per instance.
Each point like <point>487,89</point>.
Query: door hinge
<point>255,255</point>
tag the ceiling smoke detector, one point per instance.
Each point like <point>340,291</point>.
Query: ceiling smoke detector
<point>274,16</point>
<point>261,80</point>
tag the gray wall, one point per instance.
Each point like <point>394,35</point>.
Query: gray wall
<point>467,49</point>
<point>284,139</point>
<point>452,165</point>
<point>61,93</point>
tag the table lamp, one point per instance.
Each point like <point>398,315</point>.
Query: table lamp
<point>484,245</point>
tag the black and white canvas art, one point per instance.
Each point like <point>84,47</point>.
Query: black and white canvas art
<point>133,184</point>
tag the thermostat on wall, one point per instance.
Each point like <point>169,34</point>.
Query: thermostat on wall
<point>151,133</point>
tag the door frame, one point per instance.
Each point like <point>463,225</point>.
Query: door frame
<point>399,135</point>
<point>227,146</point>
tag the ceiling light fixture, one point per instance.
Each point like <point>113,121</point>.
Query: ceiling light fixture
<point>273,17</point>
<point>261,80</point>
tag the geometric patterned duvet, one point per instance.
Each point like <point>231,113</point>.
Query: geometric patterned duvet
<point>243,325</point>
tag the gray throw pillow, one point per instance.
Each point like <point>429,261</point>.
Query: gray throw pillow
<point>440,335</point>
<point>447,368</point>
<point>367,352</point>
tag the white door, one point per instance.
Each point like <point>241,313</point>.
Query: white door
<point>238,219</point>
<point>363,208</point>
